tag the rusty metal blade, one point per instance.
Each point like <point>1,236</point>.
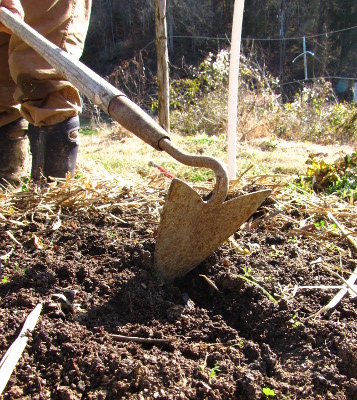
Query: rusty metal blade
<point>190,229</point>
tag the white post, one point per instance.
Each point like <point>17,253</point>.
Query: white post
<point>355,92</point>
<point>305,57</point>
<point>233,87</point>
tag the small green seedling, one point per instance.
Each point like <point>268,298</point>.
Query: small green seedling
<point>249,278</point>
<point>268,392</point>
<point>213,372</point>
<point>5,279</point>
<point>294,321</point>
<point>294,239</point>
<point>319,224</point>
<point>78,175</point>
<point>276,252</point>
<point>239,344</point>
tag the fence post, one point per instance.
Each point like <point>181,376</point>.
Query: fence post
<point>233,87</point>
<point>305,57</point>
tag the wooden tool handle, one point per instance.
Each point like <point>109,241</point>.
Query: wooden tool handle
<point>113,101</point>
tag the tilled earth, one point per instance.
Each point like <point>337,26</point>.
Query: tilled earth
<point>235,327</point>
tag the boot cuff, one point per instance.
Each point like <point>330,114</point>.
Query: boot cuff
<point>19,125</point>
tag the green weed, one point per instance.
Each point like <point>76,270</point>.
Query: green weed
<point>199,175</point>
<point>203,139</point>
<point>275,253</point>
<point>338,178</point>
<point>213,372</point>
<point>268,392</point>
<point>294,321</point>
<point>250,279</point>
<point>87,131</point>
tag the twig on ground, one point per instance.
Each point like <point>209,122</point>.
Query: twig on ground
<point>265,218</point>
<point>348,287</point>
<point>339,296</point>
<point>346,282</point>
<point>253,282</point>
<point>343,230</point>
<point>7,255</point>
<point>122,338</point>
<point>13,238</point>
<point>322,287</point>
<point>209,281</point>
<point>11,357</point>
<point>235,182</point>
<point>336,299</point>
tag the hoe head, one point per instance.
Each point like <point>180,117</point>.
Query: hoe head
<point>190,229</point>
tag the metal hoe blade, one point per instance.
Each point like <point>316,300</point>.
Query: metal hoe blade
<point>190,229</point>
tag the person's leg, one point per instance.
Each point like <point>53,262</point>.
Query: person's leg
<point>14,151</point>
<point>45,97</point>
<point>54,149</point>
<point>48,102</point>
<point>9,109</point>
<point>13,140</point>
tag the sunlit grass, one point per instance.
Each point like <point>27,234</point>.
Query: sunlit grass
<point>128,156</point>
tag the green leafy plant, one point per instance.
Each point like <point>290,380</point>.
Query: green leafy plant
<point>5,279</point>
<point>338,178</point>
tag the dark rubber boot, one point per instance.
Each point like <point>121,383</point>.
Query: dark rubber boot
<point>54,149</point>
<point>14,151</point>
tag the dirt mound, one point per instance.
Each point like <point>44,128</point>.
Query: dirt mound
<point>261,334</point>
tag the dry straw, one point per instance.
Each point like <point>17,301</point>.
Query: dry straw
<point>102,191</point>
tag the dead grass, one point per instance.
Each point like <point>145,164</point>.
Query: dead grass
<point>122,153</point>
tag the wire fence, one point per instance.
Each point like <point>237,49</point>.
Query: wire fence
<point>296,60</point>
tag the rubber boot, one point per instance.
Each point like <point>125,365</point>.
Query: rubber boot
<point>14,151</point>
<point>54,149</point>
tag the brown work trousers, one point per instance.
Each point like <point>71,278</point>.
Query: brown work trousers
<point>29,86</point>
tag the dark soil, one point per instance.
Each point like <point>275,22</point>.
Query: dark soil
<point>94,277</point>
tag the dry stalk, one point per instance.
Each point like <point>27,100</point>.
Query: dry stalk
<point>344,231</point>
<point>76,195</point>
<point>11,357</point>
<point>122,338</point>
<point>346,282</point>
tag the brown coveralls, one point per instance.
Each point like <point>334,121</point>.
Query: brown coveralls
<point>29,86</point>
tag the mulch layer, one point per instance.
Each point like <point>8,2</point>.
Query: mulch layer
<point>250,322</point>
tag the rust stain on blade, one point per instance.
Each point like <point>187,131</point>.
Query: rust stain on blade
<point>190,229</point>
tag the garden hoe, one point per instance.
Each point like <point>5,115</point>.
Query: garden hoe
<point>190,228</point>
